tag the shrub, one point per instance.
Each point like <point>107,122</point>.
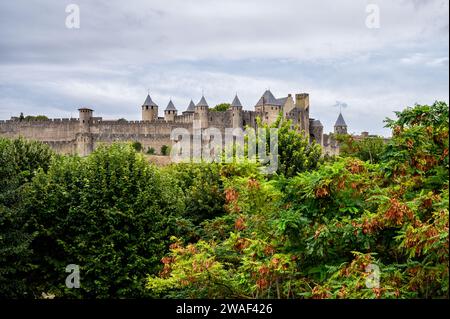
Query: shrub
<point>137,146</point>
<point>165,150</point>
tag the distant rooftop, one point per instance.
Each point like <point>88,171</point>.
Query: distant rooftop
<point>149,102</point>
<point>268,99</point>
<point>191,107</point>
<point>340,121</point>
<point>202,102</point>
<point>236,102</point>
<point>170,106</point>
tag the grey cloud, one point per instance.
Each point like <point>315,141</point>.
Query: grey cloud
<point>176,48</point>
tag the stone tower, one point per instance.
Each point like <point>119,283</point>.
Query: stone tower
<point>236,109</point>
<point>149,110</point>
<point>84,141</point>
<point>170,112</point>
<point>340,127</point>
<point>202,112</point>
<point>316,131</point>
<point>268,107</point>
<point>302,103</point>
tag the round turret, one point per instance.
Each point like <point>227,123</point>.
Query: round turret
<point>236,109</point>
<point>84,141</point>
<point>85,119</point>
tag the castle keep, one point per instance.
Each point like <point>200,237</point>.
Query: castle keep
<point>82,135</point>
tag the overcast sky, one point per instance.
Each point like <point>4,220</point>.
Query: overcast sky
<point>177,48</point>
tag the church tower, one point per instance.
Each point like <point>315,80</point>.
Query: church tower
<point>340,127</point>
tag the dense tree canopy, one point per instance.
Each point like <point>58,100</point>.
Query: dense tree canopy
<point>19,161</point>
<point>111,213</point>
<point>365,148</point>
<point>315,229</point>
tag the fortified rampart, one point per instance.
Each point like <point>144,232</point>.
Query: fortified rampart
<point>82,135</point>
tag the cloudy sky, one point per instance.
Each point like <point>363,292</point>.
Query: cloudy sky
<point>177,48</point>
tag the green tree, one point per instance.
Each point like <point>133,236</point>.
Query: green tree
<point>296,153</point>
<point>36,118</point>
<point>419,143</point>
<point>150,151</point>
<point>203,189</point>
<point>366,148</point>
<point>19,161</point>
<point>220,107</point>
<point>111,213</point>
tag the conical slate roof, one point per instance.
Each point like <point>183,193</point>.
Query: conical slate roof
<point>340,121</point>
<point>170,106</point>
<point>236,102</point>
<point>149,101</point>
<point>202,102</point>
<point>267,99</point>
<point>191,107</point>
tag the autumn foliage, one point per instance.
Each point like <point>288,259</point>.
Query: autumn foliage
<point>320,234</point>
